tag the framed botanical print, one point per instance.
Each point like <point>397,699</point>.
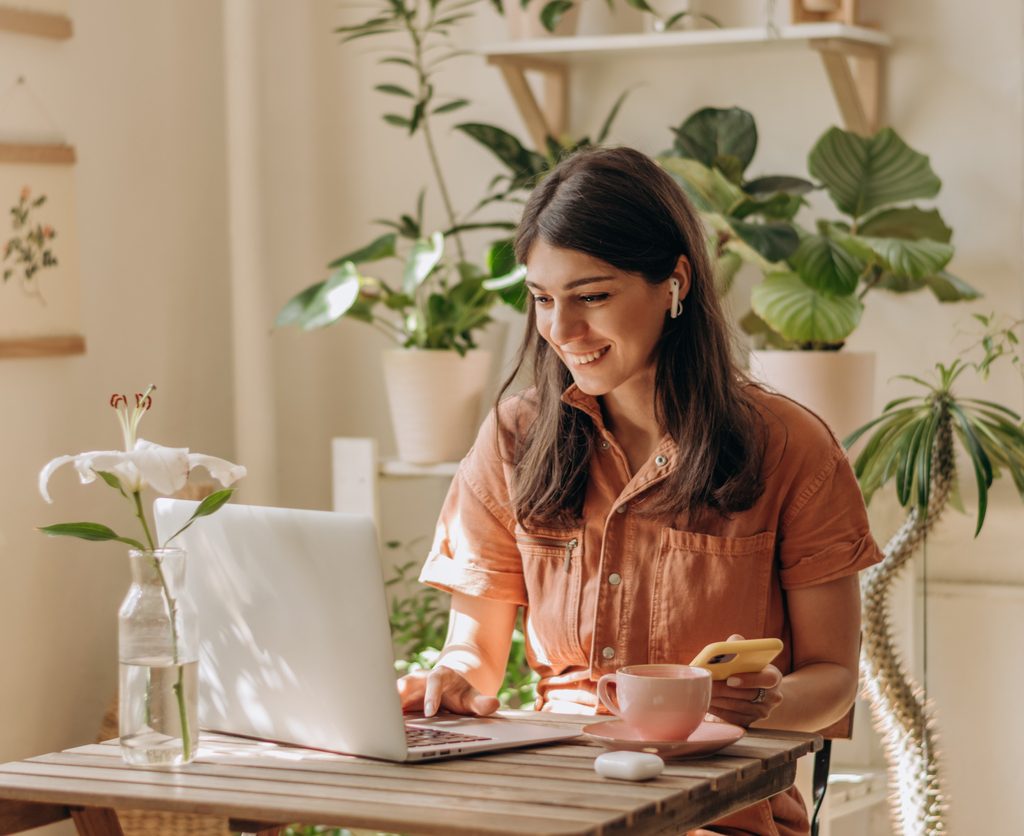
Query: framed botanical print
<point>39,287</point>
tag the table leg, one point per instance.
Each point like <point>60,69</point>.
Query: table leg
<point>96,821</point>
<point>18,816</point>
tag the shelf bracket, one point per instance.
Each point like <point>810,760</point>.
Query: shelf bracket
<point>855,72</point>
<point>550,117</point>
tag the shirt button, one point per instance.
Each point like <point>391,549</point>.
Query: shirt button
<point>621,509</point>
<point>615,579</point>
<point>608,652</point>
<point>660,461</point>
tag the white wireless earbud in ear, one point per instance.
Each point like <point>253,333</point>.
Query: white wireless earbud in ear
<point>677,304</point>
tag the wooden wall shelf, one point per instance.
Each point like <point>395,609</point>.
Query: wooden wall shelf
<point>852,57</point>
<point>38,24</point>
<point>37,154</point>
<point>42,346</point>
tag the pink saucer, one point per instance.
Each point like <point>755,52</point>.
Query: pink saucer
<point>709,737</point>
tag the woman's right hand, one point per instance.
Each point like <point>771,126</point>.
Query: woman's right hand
<point>428,691</point>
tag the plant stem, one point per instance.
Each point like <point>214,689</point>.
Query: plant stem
<point>172,611</point>
<point>137,496</point>
<point>435,163</point>
<point>870,283</point>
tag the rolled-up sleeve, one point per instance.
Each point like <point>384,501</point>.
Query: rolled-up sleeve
<point>825,534</point>
<point>474,550</point>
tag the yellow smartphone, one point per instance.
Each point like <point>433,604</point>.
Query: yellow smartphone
<point>724,659</point>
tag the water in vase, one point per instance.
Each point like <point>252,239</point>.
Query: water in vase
<point>153,694</point>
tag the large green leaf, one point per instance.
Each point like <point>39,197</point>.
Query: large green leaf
<point>295,309</point>
<point>775,240</point>
<point>448,107</point>
<point>779,206</point>
<point>727,265</point>
<point>764,336</point>
<point>210,505</point>
<point>395,90</point>
<point>865,173</point>
<point>910,259</point>
<point>524,164</point>
<point>898,284</point>
<point>713,134</point>
<point>602,134</point>
<point>906,222</point>
<point>500,258</point>
<point>802,314</point>
<point>826,266</point>
<point>774,183</point>
<point>382,247</point>
<point>334,298</point>
<point>741,248</point>
<point>950,288</point>
<point>710,190</point>
<point>979,460</point>
<point>88,531</point>
<point>552,12</point>
<point>511,287</point>
<point>426,254</point>
<point>510,279</point>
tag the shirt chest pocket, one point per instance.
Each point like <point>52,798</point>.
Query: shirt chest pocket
<point>705,589</point>
<point>552,569</point>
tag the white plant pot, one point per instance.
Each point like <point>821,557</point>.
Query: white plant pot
<point>435,400</point>
<point>838,385</point>
<point>525,23</point>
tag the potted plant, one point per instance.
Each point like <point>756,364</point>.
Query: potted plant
<point>436,377</point>
<point>912,443</point>
<point>435,308</point>
<point>815,280</point>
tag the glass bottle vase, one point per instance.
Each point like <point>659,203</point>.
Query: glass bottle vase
<point>158,650</point>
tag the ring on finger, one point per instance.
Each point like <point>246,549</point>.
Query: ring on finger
<point>759,697</point>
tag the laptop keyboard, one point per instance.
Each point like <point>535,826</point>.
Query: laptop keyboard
<point>417,736</point>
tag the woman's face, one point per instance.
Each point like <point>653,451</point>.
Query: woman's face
<point>604,323</point>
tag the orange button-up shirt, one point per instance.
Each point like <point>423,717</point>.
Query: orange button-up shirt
<point>624,588</point>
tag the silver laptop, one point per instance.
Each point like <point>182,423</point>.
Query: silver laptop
<point>295,645</point>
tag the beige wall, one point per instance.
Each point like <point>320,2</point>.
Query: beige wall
<point>140,92</point>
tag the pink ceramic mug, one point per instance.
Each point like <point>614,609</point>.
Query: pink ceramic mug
<point>659,702</point>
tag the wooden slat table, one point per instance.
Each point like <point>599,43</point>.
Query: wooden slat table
<point>549,789</point>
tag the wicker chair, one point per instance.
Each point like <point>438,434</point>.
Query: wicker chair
<point>145,823</point>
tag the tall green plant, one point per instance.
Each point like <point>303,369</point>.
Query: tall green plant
<point>815,280</point>
<point>444,297</point>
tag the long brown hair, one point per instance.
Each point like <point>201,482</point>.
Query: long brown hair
<point>619,206</point>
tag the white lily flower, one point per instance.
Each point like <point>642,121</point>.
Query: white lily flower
<point>140,465</point>
<point>164,469</point>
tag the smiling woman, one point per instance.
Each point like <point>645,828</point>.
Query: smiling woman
<point>643,498</point>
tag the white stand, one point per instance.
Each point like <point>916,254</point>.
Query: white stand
<point>356,470</point>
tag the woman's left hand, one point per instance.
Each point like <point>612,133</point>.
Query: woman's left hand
<point>745,698</point>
